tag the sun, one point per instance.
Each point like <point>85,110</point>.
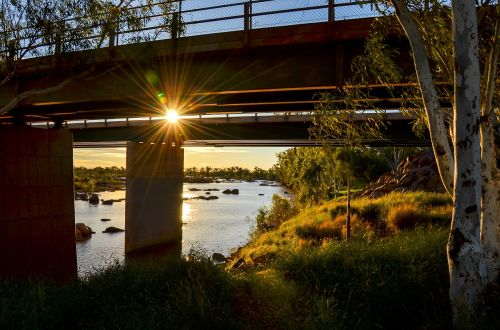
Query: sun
<point>172,116</point>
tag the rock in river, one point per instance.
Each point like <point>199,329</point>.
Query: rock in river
<point>94,199</point>
<point>104,220</point>
<point>82,232</point>
<point>218,258</point>
<point>107,202</point>
<point>113,230</point>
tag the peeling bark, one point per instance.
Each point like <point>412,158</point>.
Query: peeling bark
<point>465,260</point>
<point>435,118</point>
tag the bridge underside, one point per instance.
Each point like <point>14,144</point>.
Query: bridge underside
<point>257,131</point>
<point>271,70</point>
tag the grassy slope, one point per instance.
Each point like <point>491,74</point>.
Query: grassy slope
<point>308,282</point>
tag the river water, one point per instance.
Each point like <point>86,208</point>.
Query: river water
<point>210,225</point>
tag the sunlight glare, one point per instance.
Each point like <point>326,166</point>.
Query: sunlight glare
<point>172,116</point>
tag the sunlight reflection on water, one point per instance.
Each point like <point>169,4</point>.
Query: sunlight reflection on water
<point>214,225</point>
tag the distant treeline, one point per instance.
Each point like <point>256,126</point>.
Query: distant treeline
<point>98,178</point>
<point>234,172</point>
<point>102,178</point>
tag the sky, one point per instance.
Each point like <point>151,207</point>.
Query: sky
<point>247,157</point>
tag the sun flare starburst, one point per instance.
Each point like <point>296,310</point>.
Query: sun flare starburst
<point>172,116</point>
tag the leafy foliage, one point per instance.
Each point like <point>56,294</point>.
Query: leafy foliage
<point>316,174</point>
<point>37,28</point>
<point>96,179</point>
<point>234,172</point>
<point>270,218</point>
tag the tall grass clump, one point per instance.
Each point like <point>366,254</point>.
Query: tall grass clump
<point>396,283</point>
<point>404,216</point>
<point>271,218</point>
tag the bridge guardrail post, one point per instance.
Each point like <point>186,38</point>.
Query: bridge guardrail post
<point>331,11</point>
<point>174,29</point>
<point>247,21</point>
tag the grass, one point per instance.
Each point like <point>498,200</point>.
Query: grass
<point>314,280</point>
<point>394,283</point>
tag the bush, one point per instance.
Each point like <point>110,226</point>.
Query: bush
<point>404,216</point>
<point>342,209</point>
<point>372,215</point>
<point>270,218</point>
<point>326,230</point>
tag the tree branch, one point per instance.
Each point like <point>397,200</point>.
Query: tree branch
<point>435,118</point>
<point>36,92</point>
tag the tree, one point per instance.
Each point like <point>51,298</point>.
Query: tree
<point>447,48</point>
<point>338,118</point>
<point>56,27</point>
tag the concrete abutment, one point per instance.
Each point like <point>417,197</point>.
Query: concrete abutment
<point>37,226</point>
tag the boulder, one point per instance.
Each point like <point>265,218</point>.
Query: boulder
<point>82,231</point>
<point>235,192</point>
<point>414,173</point>
<point>107,202</point>
<point>218,257</point>
<point>105,220</point>
<point>78,235</point>
<point>81,196</point>
<point>113,230</point>
<point>226,191</point>
<point>238,263</point>
<point>94,199</point>
<point>206,198</point>
<point>194,189</point>
<point>424,171</point>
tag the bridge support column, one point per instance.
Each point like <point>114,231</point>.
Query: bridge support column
<point>37,226</point>
<point>153,214</point>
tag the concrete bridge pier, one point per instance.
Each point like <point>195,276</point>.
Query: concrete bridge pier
<point>37,226</point>
<point>153,213</point>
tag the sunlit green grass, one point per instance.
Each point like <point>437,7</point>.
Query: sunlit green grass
<point>378,279</point>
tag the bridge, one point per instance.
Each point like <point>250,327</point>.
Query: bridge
<point>248,86</point>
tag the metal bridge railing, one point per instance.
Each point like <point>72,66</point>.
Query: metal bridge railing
<point>191,18</point>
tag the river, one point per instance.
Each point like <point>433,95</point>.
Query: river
<point>210,225</point>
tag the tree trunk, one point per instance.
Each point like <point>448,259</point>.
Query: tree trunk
<point>465,260</point>
<point>348,212</point>
<point>490,213</point>
<point>435,118</point>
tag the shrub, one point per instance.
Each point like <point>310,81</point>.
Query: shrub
<point>404,216</point>
<point>342,209</point>
<point>440,216</point>
<point>372,215</point>
<point>270,218</point>
<point>326,230</point>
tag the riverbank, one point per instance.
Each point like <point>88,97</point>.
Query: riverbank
<point>387,278</point>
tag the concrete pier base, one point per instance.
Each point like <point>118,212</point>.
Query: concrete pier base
<point>37,226</point>
<point>153,213</point>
